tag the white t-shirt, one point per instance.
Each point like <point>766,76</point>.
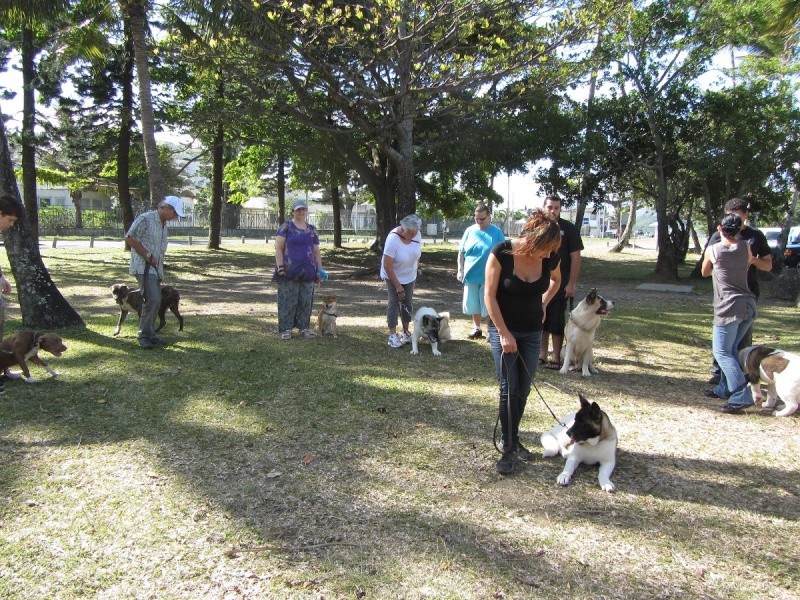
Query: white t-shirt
<point>406,257</point>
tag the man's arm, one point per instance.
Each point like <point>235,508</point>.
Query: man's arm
<point>137,247</point>
<point>574,271</point>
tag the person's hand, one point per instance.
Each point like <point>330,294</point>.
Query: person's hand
<point>5,286</point>
<point>569,291</point>
<point>401,293</point>
<point>460,276</point>
<point>508,343</point>
<point>281,271</point>
<point>322,274</point>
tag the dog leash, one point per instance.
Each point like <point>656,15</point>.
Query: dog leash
<point>508,400</point>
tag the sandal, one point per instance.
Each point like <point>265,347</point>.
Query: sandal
<point>542,361</point>
<point>553,366</point>
<point>286,335</point>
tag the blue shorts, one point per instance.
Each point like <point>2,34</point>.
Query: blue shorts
<point>473,300</point>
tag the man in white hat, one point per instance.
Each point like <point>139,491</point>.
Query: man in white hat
<point>147,238</point>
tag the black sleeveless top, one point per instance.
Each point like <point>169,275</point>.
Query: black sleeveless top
<point>521,302</point>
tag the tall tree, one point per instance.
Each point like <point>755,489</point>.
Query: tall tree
<point>372,73</point>
<point>28,26</point>
<point>41,304</point>
<point>135,11</point>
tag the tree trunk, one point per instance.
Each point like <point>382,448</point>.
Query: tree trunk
<point>28,133</point>
<point>137,11</point>
<point>403,159</point>
<point>218,171</point>
<point>583,199</point>
<point>125,126</point>
<point>281,187</point>
<point>666,262</point>
<point>77,196</point>
<point>41,304</point>
<point>626,235</point>
<point>336,200</point>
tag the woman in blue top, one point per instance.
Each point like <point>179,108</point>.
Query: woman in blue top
<point>297,266</point>
<point>473,251</point>
<point>522,276</point>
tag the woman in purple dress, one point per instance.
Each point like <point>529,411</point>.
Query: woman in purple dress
<point>297,268</point>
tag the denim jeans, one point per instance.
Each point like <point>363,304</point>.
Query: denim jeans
<point>515,373</point>
<point>725,342</point>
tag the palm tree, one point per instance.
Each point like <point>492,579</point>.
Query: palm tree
<point>136,13</point>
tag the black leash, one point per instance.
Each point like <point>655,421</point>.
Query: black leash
<point>508,401</point>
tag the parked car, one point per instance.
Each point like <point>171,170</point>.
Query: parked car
<point>772,234</point>
<point>791,257</point>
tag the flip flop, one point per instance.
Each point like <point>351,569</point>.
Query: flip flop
<point>542,361</point>
<point>553,366</point>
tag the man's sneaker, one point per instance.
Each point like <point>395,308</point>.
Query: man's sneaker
<point>394,341</point>
<point>523,453</point>
<point>406,339</point>
<point>734,409</point>
<point>714,379</point>
<point>476,334</point>
<point>505,466</point>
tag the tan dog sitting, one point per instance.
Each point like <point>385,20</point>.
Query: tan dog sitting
<point>24,346</point>
<point>326,319</point>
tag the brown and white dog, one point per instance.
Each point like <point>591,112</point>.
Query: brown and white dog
<point>23,347</point>
<point>326,319</point>
<point>131,300</point>
<point>779,371</point>
<point>579,333</point>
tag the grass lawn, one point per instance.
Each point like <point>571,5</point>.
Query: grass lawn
<point>232,464</point>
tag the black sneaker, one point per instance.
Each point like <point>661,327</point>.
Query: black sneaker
<point>715,379</point>
<point>476,334</point>
<point>505,466</point>
<point>523,453</point>
<point>734,409</point>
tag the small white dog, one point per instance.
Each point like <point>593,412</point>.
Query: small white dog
<point>430,325</point>
<point>588,437</point>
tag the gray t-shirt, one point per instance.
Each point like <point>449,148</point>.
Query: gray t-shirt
<point>733,300</point>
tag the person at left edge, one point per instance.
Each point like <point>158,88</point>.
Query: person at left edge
<point>147,238</point>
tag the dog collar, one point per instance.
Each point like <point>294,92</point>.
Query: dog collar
<point>578,325</point>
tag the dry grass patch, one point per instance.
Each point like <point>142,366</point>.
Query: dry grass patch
<point>234,465</point>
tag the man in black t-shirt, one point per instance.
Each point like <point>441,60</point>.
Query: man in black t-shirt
<point>570,254</point>
<point>760,260</point>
